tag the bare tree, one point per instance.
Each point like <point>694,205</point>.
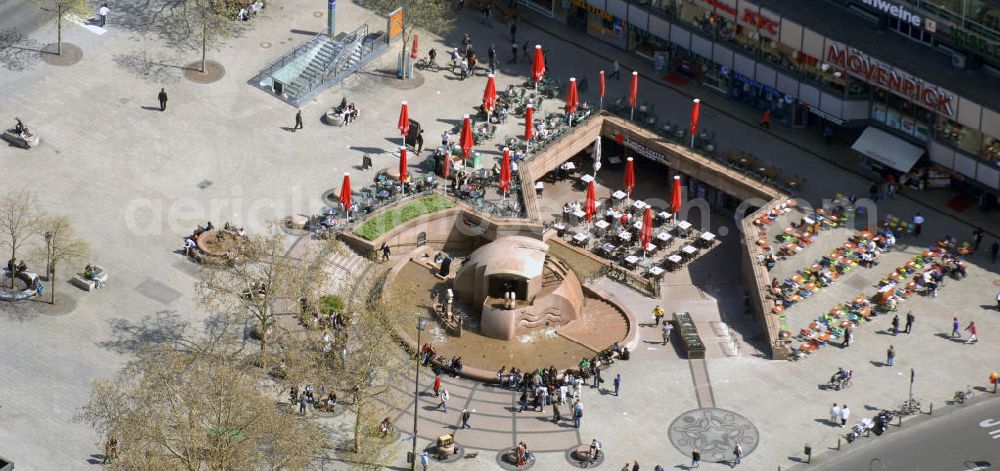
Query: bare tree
<point>18,219</point>
<point>195,410</point>
<point>62,245</point>
<point>260,275</point>
<point>62,9</point>
<point>431,15</point>
<point>192,24</point>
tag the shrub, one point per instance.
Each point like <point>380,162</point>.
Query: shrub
<point>330,303</point>
<point>386,220</point>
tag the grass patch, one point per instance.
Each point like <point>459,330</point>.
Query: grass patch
<point>330,303</point>
<point>386,220</point>
<point>584,267</point>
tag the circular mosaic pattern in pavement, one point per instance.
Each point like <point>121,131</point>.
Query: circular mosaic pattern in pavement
<point>714,433</point>
<point>506,460</point>
<point>582,461</point>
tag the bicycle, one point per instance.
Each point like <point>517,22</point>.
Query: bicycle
<point>427,64</point>
<point>909,407</point>
<point>962,396</point>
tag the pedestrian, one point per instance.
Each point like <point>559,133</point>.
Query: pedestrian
<point>977,238</point>
<point>465,68</point>
<point>954,328</point>
<point>524,51</point>
<point>162,97</point>
<point>523,401</point>
<point>658,468</point>
<point>873,192</point>
<point>616,70</point>
<point>103,14</point>
<point>444,400</point>
<point>424,460</point>
<point>492,55</point>
<point>845,413</point>
<point>465,419</point>
<point>303,401</point>
<point>466,42</point>
<point>738,455</point>
<point>695,459</point>
<point>918,223</point>
<point>909,321</point>
<point>577,414</point>
<point>513,52</point>
<point>835,414</point>
<point>828,135</point>
<point>972,332</point>
<point>597,377</point>
<point>437,385</point>
<point>657,314</point>
<point>420,141</point>
<point>890,189</point>
<point>890,355</point>
<point>635,465</point>
<point>556,416</point>
<point>848,333</point>
<point>765,119</point>
<point>618,384</point>
<point>895,325</point>
<point>445,140</point>
<point>385,251</point>
<point>667,329</point>
<point>298,120</point>
<point>513,31</point>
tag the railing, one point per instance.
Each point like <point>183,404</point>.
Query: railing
<point>287,58</point>
<point>343,62</point>
<point>945,14</point>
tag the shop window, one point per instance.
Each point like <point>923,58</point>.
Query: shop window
<point>915,33</point>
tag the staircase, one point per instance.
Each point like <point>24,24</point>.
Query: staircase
<point>320,63</point>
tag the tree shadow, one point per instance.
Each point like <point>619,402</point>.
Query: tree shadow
<point>130,337</point>
<point>156,70</point>
<point>17,51</point>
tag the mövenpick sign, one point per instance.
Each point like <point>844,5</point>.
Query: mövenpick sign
<point>896,11</point>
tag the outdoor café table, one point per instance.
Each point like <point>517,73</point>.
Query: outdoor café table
<point>675,260</point>
<point>683,226</point>
<point>663,237</point>
<point>650,247</point>
<point>639,204</point>
<point>539,187</point>
<point>602,225</point>
<point>579,214</point>
<point>689,250</point>
<point>587,178</point>
<point>664,216</point>
<point>608,248</point>
<point>655,271</point>
<point>580,238</point>
<point>707,237</point>
<point>637,225</point>
<point>631,260</point>
<point>568,166</point>
<point>618,195</point>
<point>625,236</point>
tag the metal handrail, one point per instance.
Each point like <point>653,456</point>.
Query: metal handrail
<point>284,60</point>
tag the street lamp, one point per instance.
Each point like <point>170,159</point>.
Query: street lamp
<point>421,325</point>
<point>48,263</point>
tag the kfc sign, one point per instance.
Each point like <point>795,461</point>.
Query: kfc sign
<point>876,73</point>
<point>747,16</point>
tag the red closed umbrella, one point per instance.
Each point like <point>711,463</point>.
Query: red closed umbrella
<point>402,164</point>
<point>537,65</point>
<point>591,205</point>
<point>413,53</point>
<point>446,170</point>
<point>601,87</point>
<point>675,196</point>
<point>633,93</point>
<point>529,129</point>
<point>505,172</point>
<point>629,175</point>
<point>572,97</point>
<point>345,192</point>
<point>404,121</point>
<point>695,112</point>
<point>646,234</point>
<point>490,94</point>
<point>466,140</point>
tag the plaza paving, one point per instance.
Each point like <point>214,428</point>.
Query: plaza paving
<point>135,180</point>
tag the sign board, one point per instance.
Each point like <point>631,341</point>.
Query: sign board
<point>661,60</point>
<point>395,23</point>
<point>644,151</point>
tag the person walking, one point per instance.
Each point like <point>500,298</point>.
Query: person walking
<point>616,70</point>
<point>385,251</point>
<point>918,223</point>
<point>303,401</point>
<point>972,333</point>
<point>103,13</point>
<point>523,400</point>
<point>513,52</point>
<point>890,355</point>
<point>977,237</point>
<point>895,325</point>
<point>424,460</point>
<point>162,98</point>
<point>667,329</point>
<point>618,384</point>
<point>737,454</point>
<point>954,328</point>
<point>556,416</point>
<point>835,414</point>
<point>298,120</point>
<point>513,31</point>
<point>695,459</point>
<point>577,414</point>
<point>465,419</point>
<point>419,141</point>
<point>491,54</point>
<point>848,334</point>
<point>909,321</point>
<point>657,314</point>
<point>635,465</point>
<point>845,414</point>
<point>597,377</point>
<point>437,385</point>
<point>444,400</point>
<point>765,119</point>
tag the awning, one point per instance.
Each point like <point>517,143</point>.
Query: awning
<point>887,149</point>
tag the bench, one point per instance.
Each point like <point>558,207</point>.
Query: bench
<point>88,284</point>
